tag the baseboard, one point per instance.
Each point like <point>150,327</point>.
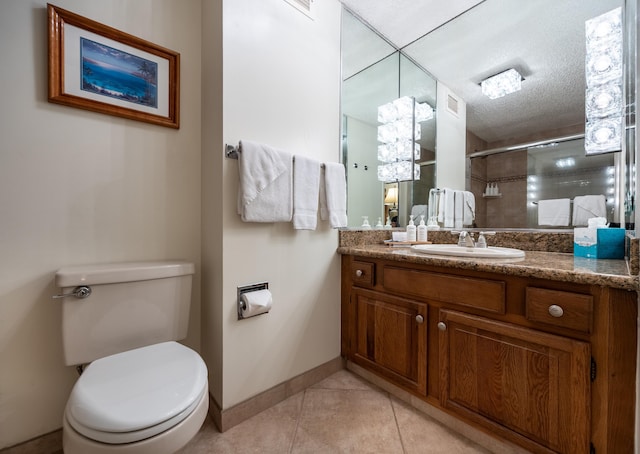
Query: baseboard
<point>226,419</point>
<point>50,443</point>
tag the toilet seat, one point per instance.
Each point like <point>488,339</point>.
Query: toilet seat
<point>137,394</point>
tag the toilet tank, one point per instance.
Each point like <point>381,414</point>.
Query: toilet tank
<point>131,305</point>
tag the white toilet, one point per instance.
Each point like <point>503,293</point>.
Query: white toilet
<point>141,391</point>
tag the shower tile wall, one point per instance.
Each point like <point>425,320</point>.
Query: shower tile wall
<point>509,171</point>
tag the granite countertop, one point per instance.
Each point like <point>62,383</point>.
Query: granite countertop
<point>557,266</point>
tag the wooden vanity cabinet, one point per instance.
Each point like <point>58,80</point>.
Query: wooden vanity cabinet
<point>390,337</point>
<point>547,365</point>
<point>517,381</point>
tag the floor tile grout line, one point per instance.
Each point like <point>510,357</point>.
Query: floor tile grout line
<point>298,418</point>
<point>395,418</point>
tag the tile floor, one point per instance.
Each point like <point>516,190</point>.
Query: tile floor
<point>341,414</point>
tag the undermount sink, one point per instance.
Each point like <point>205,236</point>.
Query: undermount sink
<point>459,251</point>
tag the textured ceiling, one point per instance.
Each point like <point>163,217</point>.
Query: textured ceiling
<point>543,40</point>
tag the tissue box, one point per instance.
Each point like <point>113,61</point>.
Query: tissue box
<point>599,243</point>
<point>611,243</point>
<point>585,242</point>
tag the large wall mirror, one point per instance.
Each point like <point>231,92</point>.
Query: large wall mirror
<point>374,74</point>
<point>530,143</point>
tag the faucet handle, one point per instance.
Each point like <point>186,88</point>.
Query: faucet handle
<point>482,241</point>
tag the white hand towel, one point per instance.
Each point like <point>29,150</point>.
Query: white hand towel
<point>458,209</point>
<point>306,187</point>
<point>449,207</point>
<point>469,208</point>
<point>265,193</point>
<point>588,206</point>
<point>433,204</point>
<point>440,205</point>
<point>333,195</point>
<point>553,212</point>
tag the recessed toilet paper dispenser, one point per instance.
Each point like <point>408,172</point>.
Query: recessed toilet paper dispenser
<point>254,299</point>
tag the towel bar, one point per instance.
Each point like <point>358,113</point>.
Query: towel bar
<point>570,201</point>
<point>231,152</point>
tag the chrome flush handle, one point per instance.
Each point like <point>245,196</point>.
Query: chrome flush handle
<point>82,291</point>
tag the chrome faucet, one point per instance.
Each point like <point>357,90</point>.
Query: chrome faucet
<point>465,239</point>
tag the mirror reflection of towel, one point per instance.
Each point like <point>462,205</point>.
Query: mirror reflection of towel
<point>458,210</point>
<point>447,206</point>
<point>588,206</point>
<point>554,212</point>
<point>469,208</point>
<point>419,210</point>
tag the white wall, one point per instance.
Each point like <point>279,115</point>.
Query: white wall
<point>450,141</point>
<point>281,87</point>
<point>80,187</point>
<point>362,144</point>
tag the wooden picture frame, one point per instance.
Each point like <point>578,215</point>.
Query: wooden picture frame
<point>98,68</point>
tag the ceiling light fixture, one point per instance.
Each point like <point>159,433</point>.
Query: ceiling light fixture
<point>502,84</point>
<point>566,162</point>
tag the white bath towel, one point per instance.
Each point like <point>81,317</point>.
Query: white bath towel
<point>333,194</point>
<point>469,208</point>
<point>448,201</point>
<point>588,206</point>
<point>458,209</point>
<point>306,187</point>
<point>553,212</point>
<point>265,193</point>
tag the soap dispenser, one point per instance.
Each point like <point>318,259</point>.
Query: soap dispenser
<point>379,225</point>
<point>422,230</point>
<point>365,223</point>
<point>411,230</point>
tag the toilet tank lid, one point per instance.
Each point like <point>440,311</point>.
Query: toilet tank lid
<point>110,273</point>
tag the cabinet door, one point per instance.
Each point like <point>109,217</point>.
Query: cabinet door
<point>526,385</point>
<point>389,337</point>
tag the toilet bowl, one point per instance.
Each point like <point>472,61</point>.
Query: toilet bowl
<point>148,400</point>
<point>141,392</point>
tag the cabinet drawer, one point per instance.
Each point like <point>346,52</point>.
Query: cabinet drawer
<point>478,293</point>
<point>558,308</point>
<point>363,273</point>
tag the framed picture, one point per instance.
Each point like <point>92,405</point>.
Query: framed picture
<point>96,67</point>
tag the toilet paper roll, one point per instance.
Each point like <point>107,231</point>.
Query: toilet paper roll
<point>256,302</point>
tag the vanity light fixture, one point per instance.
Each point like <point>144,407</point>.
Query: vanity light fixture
<point>398,133</point>
<point>502,84</point>
<point>604,106</point>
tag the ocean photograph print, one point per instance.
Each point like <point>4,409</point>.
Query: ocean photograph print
<point>98,68</point>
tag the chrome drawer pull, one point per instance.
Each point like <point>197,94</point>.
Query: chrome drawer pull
<point>442,326</point>
<point>556,311</point>
<point>419,318</point>
<point>359,273</point>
